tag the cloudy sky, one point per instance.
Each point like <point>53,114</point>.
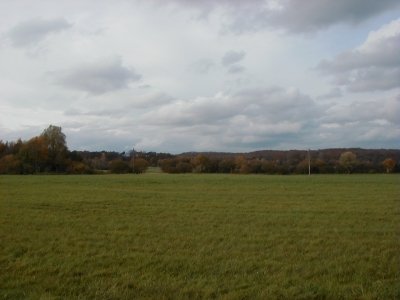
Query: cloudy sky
<point>182,75</point>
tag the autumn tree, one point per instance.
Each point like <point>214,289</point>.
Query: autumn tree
<point>389,164</point>
<point>176,165</point>
<point>168,165</point>
<point>10,164</point>
<point>348,161</point>
<point>56,146</point>
<point>100,163</point>
<point>302,167</point>
<point>140,165</point>
<point>201,163</point>
<point>226,165</point>
<point>183,166</point>
<point>34,155</point>
<point>119,166</point>
<point>14,147</point>
<point>78,167</point>
<point>241,164</point>
<point>3,148</point>
<point>254,166</point>
<point>321,166</point>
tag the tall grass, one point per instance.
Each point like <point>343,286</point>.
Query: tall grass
<point>199,236</point>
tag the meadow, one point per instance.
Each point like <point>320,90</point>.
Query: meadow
<point>158,236</point>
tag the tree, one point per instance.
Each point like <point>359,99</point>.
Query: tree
<point>168,165</point>
<point>3,148</point>
<point>140,165</point>
<point>176,165</point>
<point>201,163</point>
<point>10,164</point>
<point>13,147</point>
<point>268,167</point>
<point>322,167</point>
<point>254,166</point>
<point>119,166</point>
<point>78,167</point>
<point>241,165</point>
<point>184,167</point>
<point>389,164</point>
<point>56,146</point>
<point>348,161</point>
<point>34,155</point>
<point>302,167</point>
<point>101,162</point>
<point>226,165</point>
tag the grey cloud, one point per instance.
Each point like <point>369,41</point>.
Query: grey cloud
<point>269,105</point>
<point>312,15</point>
<point>73,112</point>
<point>385,110</point>
<point>33,31</point>
<point>130,105</point>
<point>333,93</point>
<point>93,137</point>
<point>291,15</point>
<point>277,104</point>
<point>392,110</point>
<point>202,66</point>
<point>375,65</point>
<point>152,100</point>
<point>99,78</point>
<point>376,54</point>
<point>234,69</point>
<point>371,123</point>
<point>372,79</point>
<point>273,118</point>
<point>232,57</point>
<point>363,134</point>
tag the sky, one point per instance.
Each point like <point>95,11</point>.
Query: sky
<point>181,75</point>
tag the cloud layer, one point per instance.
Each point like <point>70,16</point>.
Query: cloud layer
<point>230,75</point>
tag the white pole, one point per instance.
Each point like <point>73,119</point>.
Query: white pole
<point>309,163</point>
<point>133,160</point>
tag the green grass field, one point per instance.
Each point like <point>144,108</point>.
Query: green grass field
<point>157,236</point>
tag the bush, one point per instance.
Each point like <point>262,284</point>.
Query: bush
<point>77,167</point>
<point>140,165</point>
<point>119,166</point>
<point>10,164</point>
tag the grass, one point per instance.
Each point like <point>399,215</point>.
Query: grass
<point>158,236</point>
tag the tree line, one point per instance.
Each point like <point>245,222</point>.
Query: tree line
<point>326,161</point>
<point>48,153</point>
